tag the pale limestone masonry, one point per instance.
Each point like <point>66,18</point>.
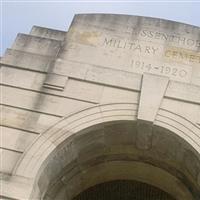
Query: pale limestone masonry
<point>115,97</point>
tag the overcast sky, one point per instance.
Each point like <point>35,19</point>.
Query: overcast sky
<point>20,16</point>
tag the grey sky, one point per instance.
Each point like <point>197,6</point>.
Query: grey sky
<point>20,16</point>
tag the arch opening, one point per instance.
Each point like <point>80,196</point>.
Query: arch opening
<point>123,190</point>
<point>108,152</point>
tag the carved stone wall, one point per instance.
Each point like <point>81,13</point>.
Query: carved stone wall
<point>116,97</point>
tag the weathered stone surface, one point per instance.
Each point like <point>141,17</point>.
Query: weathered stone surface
<point>48,33</point>
<point>55,81</point>
<point>132,44</point>
<point>20,138</point>
<point>148,106</point>
<point>29,61</point>
<point>37,45</point>
<point>9,159</point>
<point>114,97</point>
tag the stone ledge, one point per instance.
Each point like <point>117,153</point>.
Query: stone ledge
<point>48,33</point>
<point>35,44</point>
<point>26,60</point>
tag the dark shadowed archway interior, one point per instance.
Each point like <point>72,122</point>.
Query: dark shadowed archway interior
<point>123,190</point>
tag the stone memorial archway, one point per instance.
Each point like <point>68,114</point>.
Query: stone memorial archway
<point>112,103</point>
<point>102,144</point>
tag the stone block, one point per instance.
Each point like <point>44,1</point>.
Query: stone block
<point>38,102</point>
<point>117,95</point>
<point>37,45</point>
<point>26,80</point>
<point>144,135</point>
<point>48,33</point>
<point>20,139</point>
<point>190,111</point>
<point>121,79</point>
<point>148,106</point>
<point>84,90</point>
<point>55,81</point>
<point>25,60</point>
<point>26,120</point>
<point>15,187</point>
<point>8,159</point>
<point>183,91</point>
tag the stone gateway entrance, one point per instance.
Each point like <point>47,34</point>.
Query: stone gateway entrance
<point>109,109</point>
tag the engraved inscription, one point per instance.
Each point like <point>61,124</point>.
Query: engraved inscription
<point>162,36</point>
<point>162,69</point>
<point>138,55</point>
<point>133,46</point>
<point>182,55</point>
